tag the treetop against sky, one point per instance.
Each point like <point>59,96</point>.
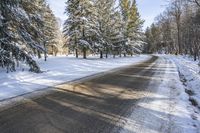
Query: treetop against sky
<point>149,9</point>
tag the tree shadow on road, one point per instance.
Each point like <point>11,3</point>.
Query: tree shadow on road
<point>99,105</point>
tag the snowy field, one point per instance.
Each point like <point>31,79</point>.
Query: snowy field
<point>58,70</point>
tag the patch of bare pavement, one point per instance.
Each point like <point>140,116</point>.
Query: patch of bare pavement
<point>97,105</point>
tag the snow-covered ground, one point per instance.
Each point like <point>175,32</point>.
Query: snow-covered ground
<point>190,76</point>
<point>169,109</point>
<point>58,70</point>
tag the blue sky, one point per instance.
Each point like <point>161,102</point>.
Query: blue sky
<point>148,9</point>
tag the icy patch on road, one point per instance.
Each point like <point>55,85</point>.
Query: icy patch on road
<point>58,70</point>
<point>165,111</point>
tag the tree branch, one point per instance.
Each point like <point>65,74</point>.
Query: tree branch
<point>196,1</point>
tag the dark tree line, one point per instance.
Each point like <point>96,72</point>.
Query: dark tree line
<point>176,30</point>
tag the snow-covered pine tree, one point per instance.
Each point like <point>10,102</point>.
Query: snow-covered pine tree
<point>22,33</point>
<point>35,11</point>
<point>132,25</point>
<point>135,33</point>
<point>16,40</point>
<point>105,21</point>
<point>125,9</point>
<point>71,24</point>
<point>44,22</point>
<point>49,29</point>
<point>117,37</point>
<point>79,24</point>
<point>100,26</point>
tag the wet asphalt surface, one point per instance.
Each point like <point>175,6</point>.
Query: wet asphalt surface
<point>97,105</point>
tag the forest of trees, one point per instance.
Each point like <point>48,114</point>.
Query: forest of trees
<point>27,27</point>
<point>176,30</point>
<point>103,27</point>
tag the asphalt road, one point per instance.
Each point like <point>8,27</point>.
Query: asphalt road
<point>97,105</point>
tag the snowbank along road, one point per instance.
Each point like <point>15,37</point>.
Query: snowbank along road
<point>142,98</point>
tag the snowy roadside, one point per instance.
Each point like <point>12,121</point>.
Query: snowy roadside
<point>189,73</point>
<point>190,86</point>
<point>166,111</point>
<point>183,116</point>
<point>58,70</point>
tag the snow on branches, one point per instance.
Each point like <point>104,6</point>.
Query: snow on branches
<point>101,26</point>
<point>21,32</point>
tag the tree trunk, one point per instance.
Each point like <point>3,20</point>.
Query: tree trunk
<point>198,4</point>
<point>84,53</point>
<point>38,53</point>
<point>52,49</point>
<point>195,51</point>
<point>45,52</point>
<point>179,39</point>
<point>45,57</point>
<point>76,49</point>
<point>106,52</point>
<point>76,53</point>
<point>101,54</point>
<point>195,56</point>
<point>120,53</point>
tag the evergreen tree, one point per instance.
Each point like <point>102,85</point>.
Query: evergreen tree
<point>16,40</point>
<point>49,28</point>
<point>44,22</point>
<point>35,11</point>
<point>117,37</point>
<point>71,24</point>
<point>100,26</point>
<point>105,23</point>
<point>132,25</point>
<point>23,30</point>
<point>79,24</point>
<point>135,34</point>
